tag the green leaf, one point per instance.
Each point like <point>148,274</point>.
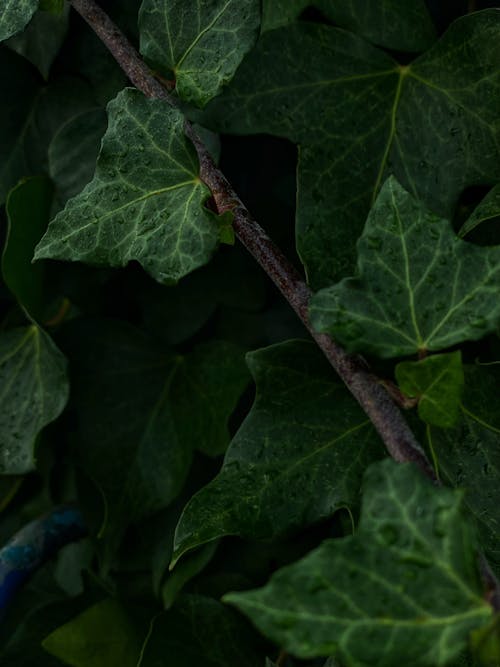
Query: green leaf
<point>402,25</point>
<point>141,412</point>
<point>297,458</point>
<point>73,152</point>
<point>468,456</point>
<point>15,15</point>
<point>201,43</point>
<point>102,636</point>
<point>28,212</point>
<point>186,570</point>
<point>34,392</point>
<point>145,201</point>
<point>403,590</point>
<point>419,287</point>
<point>32,117</point>
<point>53,6</point>
<point>488,210</point>
<point>277,13</point>
<point>201,631</point>
<point>438,383</point>
<point>42,39</point>
<point>358,116</point>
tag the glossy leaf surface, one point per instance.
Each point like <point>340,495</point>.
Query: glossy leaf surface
<point>419,286</point>
<point>201,43</point>
<point>297,458</point>
<point>406,580</point>
<point>34,391</point>
<point>437,382</point>
<point>145,201</point>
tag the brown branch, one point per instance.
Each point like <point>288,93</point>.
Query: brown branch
<point>365,387</point>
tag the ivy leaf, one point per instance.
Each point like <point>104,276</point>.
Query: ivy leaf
<point>402,25</point>
<point>102,636</point>
<point>141,411</point>
<point>438,383</point>
<point>297,458</point>
<point>15,15</point>
<point>34,392</point>
<point>277,13</point>
<point>28,212</point>
<point>488,210</point>
<point>145,201</point>
<point>202,631</point>
<point>73,152</point>
<point>419,287</point>
<point>358,116</point>
<point>403,590</point>
<point>32,107</point>
<point>201,43</point>
<point>468,456</point>
<point>41,40</point>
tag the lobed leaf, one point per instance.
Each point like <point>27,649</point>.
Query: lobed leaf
<point>403,590</point>
<point>297,458</point>
<point>419,286</point>
<point>15,15</point>
<point>201,43</point>
<point>145,201</point>
<point>34,393</point>
<point>438,383</point>
<point>358,116</point>
<point>141,412</point>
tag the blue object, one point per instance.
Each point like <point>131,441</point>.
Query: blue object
<point>35,544</point>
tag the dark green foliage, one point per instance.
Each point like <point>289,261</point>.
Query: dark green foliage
<point>151,373</point>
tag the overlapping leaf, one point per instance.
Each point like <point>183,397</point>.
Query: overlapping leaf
<point>419,286</point>
<point>145,201</point>
<point>468,456</point>
<point>403,590</point>
<point>201,43</point>
<point>73,153</point>
<point>437,382</point>
<point>402,25</point>
<point>15,15</point>
<point>487,211</point>
<point>202,631</point>
<point>141,412</point>
<point>28,211</point>
<point>34,391</point>
<point>297,458</point>
<point>359,116</point>
<point>42,39</point>
<point>102,636</point>
<point>32,117</point>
